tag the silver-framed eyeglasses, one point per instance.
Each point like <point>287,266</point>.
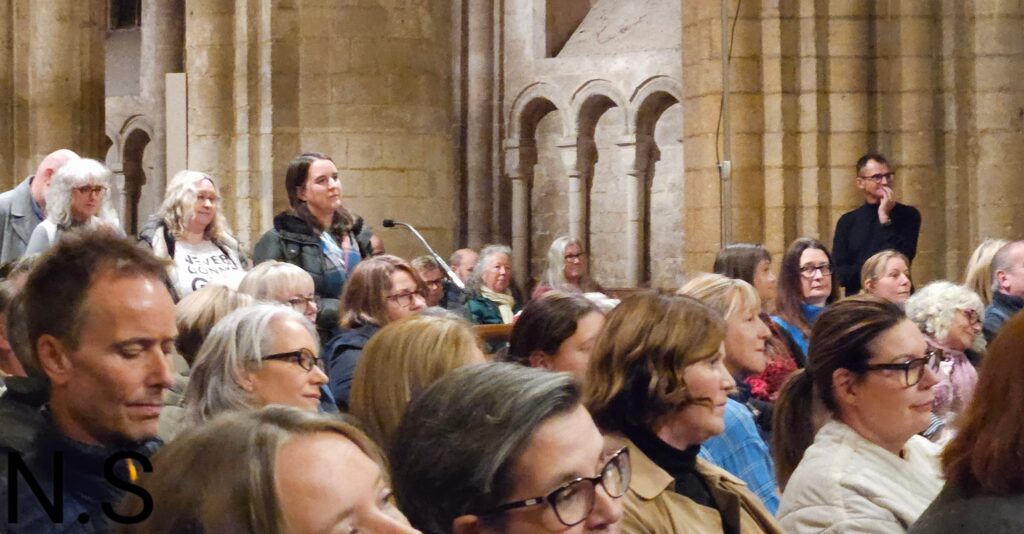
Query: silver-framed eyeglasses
<point>913,369</point>
<point>303,357</point>
<point>574,500</point>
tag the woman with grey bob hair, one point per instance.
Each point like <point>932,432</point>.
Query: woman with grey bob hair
<point>78,197</point>
<point>477,451</point>
<point>255,356</point>
<point>949,316</point>
<point>491,296</point>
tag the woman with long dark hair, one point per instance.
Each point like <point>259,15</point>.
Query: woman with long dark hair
<point>805,288</point>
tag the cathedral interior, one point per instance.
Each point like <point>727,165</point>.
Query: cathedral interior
<point>516,121</point>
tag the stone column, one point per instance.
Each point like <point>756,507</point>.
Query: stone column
<point>55,67</point>
<point>10,175</point>
<point>578,157</point>
<point>479,104</point>
<point>640,152</point>
<point>520,157</point>
<point>999,118</point>
<point>163,42</point>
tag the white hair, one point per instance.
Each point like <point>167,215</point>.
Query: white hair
<point>933,308</point>
<point>77,173</point>
<point>476,279</point>
<point>235,345</point>
<point>267,279</point>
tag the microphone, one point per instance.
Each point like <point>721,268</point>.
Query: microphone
<point>391,223</point>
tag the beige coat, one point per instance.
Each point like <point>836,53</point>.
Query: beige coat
<point>651,506</point>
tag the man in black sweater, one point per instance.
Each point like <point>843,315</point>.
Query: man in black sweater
<point>880,223</point>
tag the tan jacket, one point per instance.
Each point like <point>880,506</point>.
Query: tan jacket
<point>652,506</point>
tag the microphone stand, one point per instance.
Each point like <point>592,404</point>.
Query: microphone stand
<point>389,223</point>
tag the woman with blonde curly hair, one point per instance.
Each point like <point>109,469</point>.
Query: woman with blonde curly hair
<point>401,361</point>
<point>78,197</point>
<point>949,316</point>
<point>190,231</point>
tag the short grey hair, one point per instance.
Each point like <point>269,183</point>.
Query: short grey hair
<point>934,306</point>
<point>236,344</point>
<point>264,280</point>
<point>77,173</point>
<point>454,451</point>
<point>476,279</point>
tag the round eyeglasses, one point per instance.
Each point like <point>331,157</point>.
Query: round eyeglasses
<point>574,500</point>
<point>303,357</point>
<point>913,369</point>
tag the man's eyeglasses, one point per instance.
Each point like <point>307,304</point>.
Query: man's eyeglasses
<point>433,284</point>
<point>304,357</point>
<point>405,299</point>
<point>888,177</point>
<point>913,370</point>
<point>574,500</point>
<point>95,189</point>
<point>299,304</point>
<point>807,271</point>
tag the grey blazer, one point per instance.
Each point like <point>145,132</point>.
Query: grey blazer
<point>17,221</point>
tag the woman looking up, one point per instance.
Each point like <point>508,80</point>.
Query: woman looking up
<point>317,233</point>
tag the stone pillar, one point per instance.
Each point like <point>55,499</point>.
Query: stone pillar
<point>9,172</point>
<point>479,77</point>
<point>578,157</point>
<point>640,153</point>
<point>701,100</point>
<point>520,157</point>
<point>53,63</point>
<point>163,41</point>
<point>999,118</point>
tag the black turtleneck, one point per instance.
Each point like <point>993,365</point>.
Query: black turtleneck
<point>681,464</point>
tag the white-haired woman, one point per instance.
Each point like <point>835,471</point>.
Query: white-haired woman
<point>190,231</point>
<point>78,197</point>
<point>256,356</point>
<point>949,316</point>
<point>567,269</point>
<point>491,299</point>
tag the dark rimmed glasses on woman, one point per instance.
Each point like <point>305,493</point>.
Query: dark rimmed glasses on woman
<point>303,357</point>
<point>913,369</point>
<point>574,500</point>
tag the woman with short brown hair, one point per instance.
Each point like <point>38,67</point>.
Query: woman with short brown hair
<point>657,379</point>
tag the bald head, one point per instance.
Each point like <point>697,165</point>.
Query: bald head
<point>45,171</point>
<point>1008,269</point>
<point>462,262</point>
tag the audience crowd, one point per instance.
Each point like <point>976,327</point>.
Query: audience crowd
<point>167,383</point>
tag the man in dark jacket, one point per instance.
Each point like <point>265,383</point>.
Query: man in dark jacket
<point>106,352</point>
<point>880,223</point>
<point>1008,288</point>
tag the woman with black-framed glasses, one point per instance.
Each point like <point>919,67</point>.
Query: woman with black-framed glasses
<point>502,448</point>
<point>805,288</point>
<point>865,469</point>
<point>253,357</point>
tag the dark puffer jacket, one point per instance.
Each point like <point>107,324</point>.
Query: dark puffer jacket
<point>294,241</point>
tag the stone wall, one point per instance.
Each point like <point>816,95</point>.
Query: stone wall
<point>368,83</point>
<point>936,86</point>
